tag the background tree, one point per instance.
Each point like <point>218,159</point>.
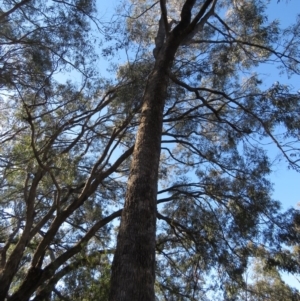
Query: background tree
<point>49,130</point>
<point>197,199</point>
<point>265,283</point>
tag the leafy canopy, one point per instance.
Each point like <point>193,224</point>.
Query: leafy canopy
<point>67,135</point>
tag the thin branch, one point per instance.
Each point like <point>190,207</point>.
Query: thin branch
<point>18,5</point>
<point>150,7</point>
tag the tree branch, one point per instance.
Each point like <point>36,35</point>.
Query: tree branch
<point>18,5</point>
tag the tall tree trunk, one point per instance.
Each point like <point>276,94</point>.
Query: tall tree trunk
<point>133,267</point>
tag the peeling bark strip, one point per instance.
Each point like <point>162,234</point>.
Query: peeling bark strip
<point>133,269</point>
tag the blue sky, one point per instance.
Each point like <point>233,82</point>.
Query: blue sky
<point>286,181</point>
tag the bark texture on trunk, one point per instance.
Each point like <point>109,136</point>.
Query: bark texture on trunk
<point>133,269</point>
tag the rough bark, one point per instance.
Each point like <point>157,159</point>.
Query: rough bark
<point>134,261</point>
<point>133,269</point>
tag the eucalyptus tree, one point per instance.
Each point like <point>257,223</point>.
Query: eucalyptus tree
<point>265,283</point>
<point>49,129</point>
<point>196,198</point>
<point>203,100</point>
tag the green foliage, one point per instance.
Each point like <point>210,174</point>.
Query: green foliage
<point>66,145</point>
<point>266,284</point>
